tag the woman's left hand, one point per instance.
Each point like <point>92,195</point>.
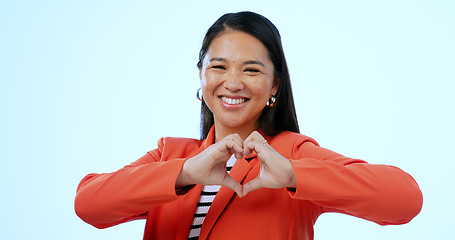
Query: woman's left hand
<point>276,171</point>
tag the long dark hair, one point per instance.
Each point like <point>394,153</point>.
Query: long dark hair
<point>282,116</point>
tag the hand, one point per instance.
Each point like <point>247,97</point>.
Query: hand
<point>276,171</point>
<point>209,166</point>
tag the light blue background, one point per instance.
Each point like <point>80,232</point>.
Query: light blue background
<point>90,86</point>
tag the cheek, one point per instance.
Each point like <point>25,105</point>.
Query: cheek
<point>204,81</point>
<point>261,86</point>
<point>209,81</point>
<point>208,88</point>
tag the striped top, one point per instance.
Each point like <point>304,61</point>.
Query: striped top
<point>205,200</point>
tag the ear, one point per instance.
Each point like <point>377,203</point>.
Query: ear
<point>199,66</point>
<point>276,86</point>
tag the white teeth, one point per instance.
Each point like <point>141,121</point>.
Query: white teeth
<point>232,101</point>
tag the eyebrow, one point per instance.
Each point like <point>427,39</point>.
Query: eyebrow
<point>218,59</point>
<point>244,63</point>
<point>254,62</point>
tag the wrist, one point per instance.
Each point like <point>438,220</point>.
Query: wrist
<point>293,179</point>
<point>183,179</point>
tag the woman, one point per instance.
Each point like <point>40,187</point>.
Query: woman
<point>274,181</point>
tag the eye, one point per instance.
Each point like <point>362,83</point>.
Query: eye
<point>251,70</point>
<point>219,67</point>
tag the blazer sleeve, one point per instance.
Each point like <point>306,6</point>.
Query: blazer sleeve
<point>108,199</point>
<point>379,193</point>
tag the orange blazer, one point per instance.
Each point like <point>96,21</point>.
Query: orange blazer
<point>326,182</point>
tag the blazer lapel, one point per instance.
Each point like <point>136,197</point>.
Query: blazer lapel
<point>239,171</point>
<point>188,203</point>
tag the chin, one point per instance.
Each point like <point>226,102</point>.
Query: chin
<point>233,125</point>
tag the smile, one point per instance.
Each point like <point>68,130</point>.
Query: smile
<point>233,101</point>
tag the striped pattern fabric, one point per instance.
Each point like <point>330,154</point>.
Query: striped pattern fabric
<point>205,200</point>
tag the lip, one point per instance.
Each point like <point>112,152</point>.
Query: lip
<point>233,102</point>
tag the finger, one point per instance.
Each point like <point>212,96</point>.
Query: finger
<point>227,146</point>
<point>251,141</point>
<point>232,184</point>
<point>238,146</point>
<point>254,136</point>
<point>235,146</point>
<point>248,149</point>
<point>259,147</point>
<point>238,155</point>
<point>252,185</point>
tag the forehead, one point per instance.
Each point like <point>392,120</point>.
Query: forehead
<point>236,45</point>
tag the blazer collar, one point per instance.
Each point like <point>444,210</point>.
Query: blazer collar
<point>210,139</point>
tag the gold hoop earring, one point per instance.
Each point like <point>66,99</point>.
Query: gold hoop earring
<point>199,95</point>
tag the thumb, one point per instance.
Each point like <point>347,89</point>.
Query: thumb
<point>252,185</point>
<point>232,184</point>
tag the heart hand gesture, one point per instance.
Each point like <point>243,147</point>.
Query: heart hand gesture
<point>209,167</point>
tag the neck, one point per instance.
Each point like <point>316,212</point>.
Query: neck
<point>243,131</point>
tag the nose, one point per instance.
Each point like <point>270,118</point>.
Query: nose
<point>233,82</point>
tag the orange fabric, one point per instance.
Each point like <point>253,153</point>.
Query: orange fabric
<point>326,182</point>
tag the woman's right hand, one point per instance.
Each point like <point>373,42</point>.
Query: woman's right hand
<point>209,166</point>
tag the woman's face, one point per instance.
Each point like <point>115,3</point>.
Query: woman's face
<point>237,79</point>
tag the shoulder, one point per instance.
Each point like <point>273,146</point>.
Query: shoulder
<point>176,147</point>
<point>296,146</point>
<point>292,138</point>
<point>179,141</point>
<point>291,144</point>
